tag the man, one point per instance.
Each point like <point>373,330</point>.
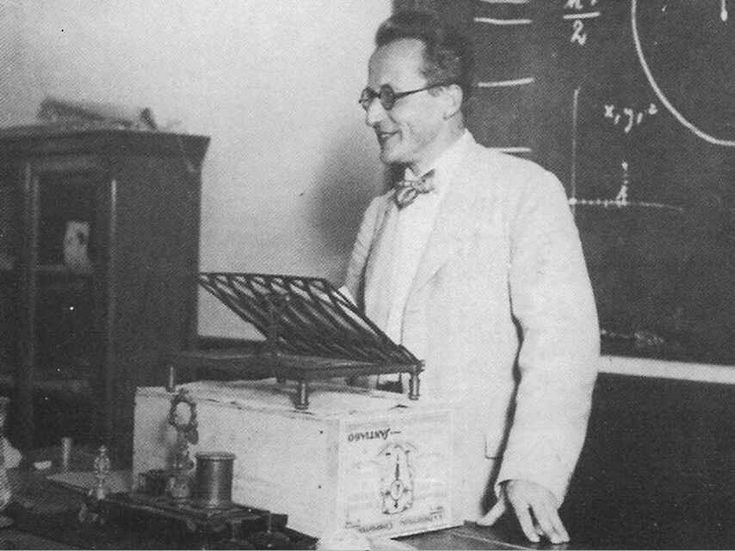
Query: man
<point>479,272</point>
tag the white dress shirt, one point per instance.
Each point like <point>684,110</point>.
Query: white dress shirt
<point>414,226</point>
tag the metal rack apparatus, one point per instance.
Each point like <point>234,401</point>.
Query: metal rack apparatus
<point>312,332</point>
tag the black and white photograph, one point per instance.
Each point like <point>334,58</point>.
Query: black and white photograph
<point>367,275</point>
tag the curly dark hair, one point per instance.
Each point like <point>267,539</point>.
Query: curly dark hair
<point>448,55</point>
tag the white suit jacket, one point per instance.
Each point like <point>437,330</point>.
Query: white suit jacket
<point>502,312</point>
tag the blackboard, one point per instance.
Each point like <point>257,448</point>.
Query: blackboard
<point>631,103</point>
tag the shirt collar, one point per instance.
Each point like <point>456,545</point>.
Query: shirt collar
<point>447,163</point>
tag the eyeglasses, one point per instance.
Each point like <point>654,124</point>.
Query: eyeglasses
<point>388,97</point>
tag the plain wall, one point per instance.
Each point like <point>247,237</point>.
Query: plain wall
<point>275,83</point>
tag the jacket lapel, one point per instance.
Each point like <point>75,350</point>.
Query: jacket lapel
<point>456,221</point>
<point>379,263</point>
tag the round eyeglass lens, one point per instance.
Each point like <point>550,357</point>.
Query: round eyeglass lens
<point>387,97</point>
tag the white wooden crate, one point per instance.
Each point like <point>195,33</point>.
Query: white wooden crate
<point>368,460</point>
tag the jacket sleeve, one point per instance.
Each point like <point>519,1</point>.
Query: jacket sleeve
<point>355,275</point>
<point>553,303</point>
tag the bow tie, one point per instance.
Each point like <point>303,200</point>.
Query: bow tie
<point>407,190</point>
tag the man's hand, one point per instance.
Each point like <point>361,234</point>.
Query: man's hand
<point>534,506</point>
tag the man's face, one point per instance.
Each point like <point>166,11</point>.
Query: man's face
<point>410,132</point>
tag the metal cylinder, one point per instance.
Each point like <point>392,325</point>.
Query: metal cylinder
<point>213,484</point>
<point>66,443</point>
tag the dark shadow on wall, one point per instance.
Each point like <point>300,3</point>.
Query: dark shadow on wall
<point>350,176</point>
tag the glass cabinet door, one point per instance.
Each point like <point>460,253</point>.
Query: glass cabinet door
<point>65,265</point>
<point>59,351</point>
<point>10,239</point>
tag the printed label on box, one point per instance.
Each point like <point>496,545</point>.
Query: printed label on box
<point>395,474</point>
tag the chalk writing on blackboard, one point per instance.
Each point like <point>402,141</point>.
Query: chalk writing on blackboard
<point>513,149</point>
<point>506,83</point>
<point>496,21</point>
<point>505,1</point>
<point>577,15</point>
<point>630,118</point>
<point>627,117</point>
<point>630,103</point>
<point>688,123</point>
<point>621,199</point>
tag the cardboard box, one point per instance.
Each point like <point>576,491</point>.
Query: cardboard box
<point>368,460</point>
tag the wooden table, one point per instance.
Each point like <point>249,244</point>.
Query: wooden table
<point>472,536</point>
<point>46,517</point>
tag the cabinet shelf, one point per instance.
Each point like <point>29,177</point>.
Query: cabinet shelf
<point>51,276</point>
<point>58,278</point>
<point>60,269</point>
<point>77,386</point>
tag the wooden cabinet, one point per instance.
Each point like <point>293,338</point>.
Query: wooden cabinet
<point>99,237</point>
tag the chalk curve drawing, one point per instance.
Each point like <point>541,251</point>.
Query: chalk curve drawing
<point>660,93</point>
